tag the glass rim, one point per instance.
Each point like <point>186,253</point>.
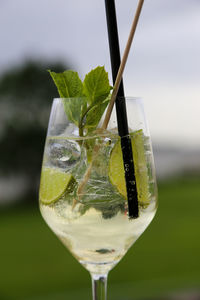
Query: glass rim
<point>131,102</point>
<point>133,98</point>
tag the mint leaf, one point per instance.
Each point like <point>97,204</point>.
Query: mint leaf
<point>96,86</point>
<point>74,109</point>
<point>94,115</point>
<point>68,84</point>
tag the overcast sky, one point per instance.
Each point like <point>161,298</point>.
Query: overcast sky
<point>163,66</point>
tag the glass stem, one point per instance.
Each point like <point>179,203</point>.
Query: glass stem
<point>99,286</point>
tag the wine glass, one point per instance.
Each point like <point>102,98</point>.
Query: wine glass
<point>83,192</point>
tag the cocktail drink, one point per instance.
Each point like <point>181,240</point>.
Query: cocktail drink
<point>83,192</point>
<point>98,190</point>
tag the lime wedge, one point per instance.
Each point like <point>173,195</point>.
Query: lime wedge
<point>116,168</point>
<point>54,184</point>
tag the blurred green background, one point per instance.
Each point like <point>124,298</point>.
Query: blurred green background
<point>163,264</point>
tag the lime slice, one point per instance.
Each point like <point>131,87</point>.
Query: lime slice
<point>54,184</point>
<point>116,168</point>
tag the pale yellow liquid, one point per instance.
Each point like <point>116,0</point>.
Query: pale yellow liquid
<point>97,230</point>
<point>97,243</point>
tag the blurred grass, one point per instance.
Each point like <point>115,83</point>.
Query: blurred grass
<point>35,265</point>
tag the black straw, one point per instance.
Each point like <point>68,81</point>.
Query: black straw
<point>121,111</point>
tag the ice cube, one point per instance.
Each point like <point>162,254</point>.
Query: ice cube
<point>64,153</point>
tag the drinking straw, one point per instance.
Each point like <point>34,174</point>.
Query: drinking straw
<point>115,55</point>
<point>118,95</point>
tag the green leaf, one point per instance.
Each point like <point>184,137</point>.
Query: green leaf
<point>74,109</point>
<point>96,85</point>
<point>68,84</point>
<point>94,115</point>
<point>85,102</point>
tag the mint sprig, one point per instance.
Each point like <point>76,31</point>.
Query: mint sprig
<point>87,100</point>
